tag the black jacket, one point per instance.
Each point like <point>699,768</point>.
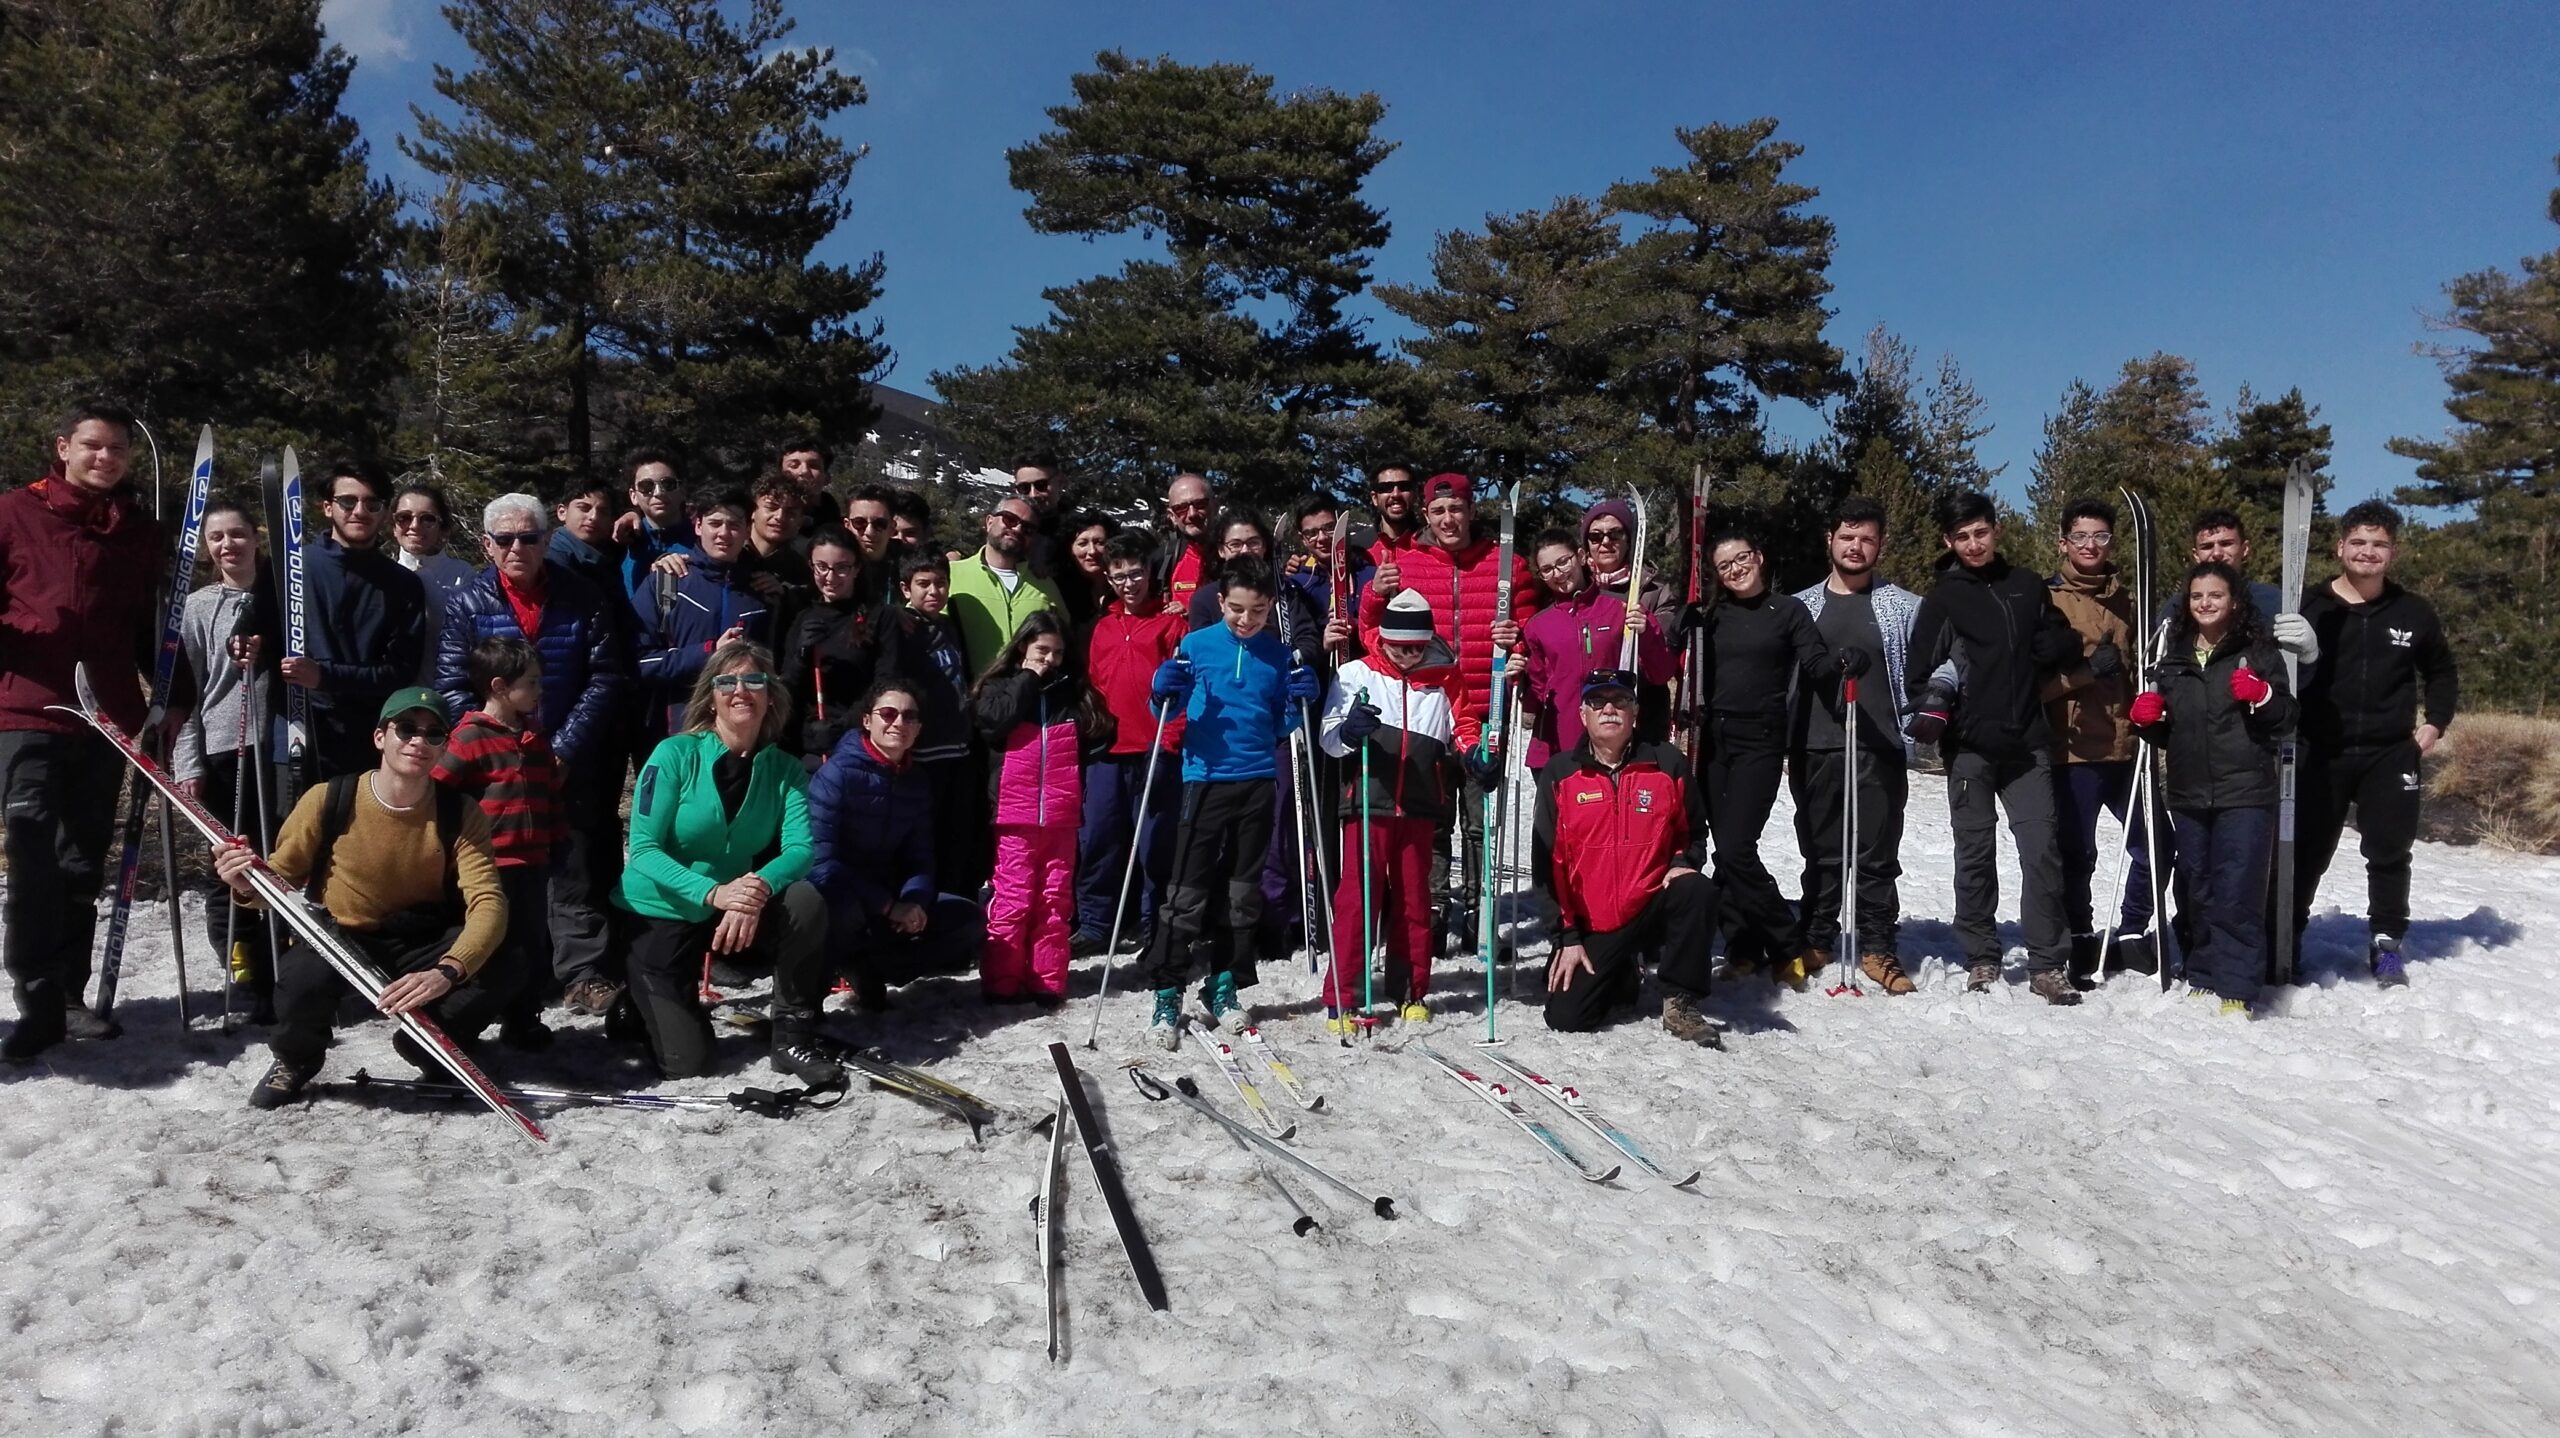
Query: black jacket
<point>832,653</point>
<point>2221,752</point>
<point>1999,625</point>
<point>2379,663</point>
<point>1758,647</point>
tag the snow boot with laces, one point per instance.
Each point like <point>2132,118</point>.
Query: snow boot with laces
<point>2054,986</point>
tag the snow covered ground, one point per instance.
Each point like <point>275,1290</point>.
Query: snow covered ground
<point>1943,1214</point>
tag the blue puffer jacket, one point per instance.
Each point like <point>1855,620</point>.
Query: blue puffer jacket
<point>873,827</point>
<point>586,659</point>
<point>679,622</point>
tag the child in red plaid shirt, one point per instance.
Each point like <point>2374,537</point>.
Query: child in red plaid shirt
<point>499,757</point>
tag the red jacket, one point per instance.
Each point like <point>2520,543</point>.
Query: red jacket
<point>1605,839</point>
<point>78,573</point>
<point>1121,656</point>
<point>1461,588</point>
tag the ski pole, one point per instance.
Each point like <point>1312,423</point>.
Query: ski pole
<point>1305,1222</point>
<point>234,973</point>
<point>1298,841</point>
<point>1129,871</point>
<point>1153,1089</point>
<point>1845,947</point>
<point>1368,925</point>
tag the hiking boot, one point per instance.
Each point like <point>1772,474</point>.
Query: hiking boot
<point>414,1053</point>
<point>1983,977</point>
<point>2235,1008</point>
<point>796,1052</point>
<point>2054,986</point>
<point>1685,1021</point>
<point>1166,1027</point>
<point>79,1021</point>
<point>1736,970</point>
<point>282,1085</point>
<point>41,1029</point>
<point>1885,970</point>
<point>1225,1010</point>
<point>2389,970</point>
<point>591,997</point>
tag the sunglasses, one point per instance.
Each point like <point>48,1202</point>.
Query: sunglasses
<point>1188,506</point>
<point>864,524</point>
<point>753,682</point>
<point>1609,699</point>
<point>656,486</point>
<point>1405,487</point>
<point>357,503</point>
<point>892,714</point>
<point>408,517</point>
<point>1610,534</point>
<point>1009,521</point>
<point>1030,486</point>
<point>431,732</point>
<point>514,537</point>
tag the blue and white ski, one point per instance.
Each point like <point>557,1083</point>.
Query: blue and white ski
<point>1570,1099</point>
<point>1496,1094</point>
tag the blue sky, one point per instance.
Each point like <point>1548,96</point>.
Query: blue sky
<point>2278,192</point>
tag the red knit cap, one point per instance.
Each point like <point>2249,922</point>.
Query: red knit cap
<point>1452,484</point>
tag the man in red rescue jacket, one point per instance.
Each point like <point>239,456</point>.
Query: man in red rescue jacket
<point>1459,572</point>
<point>78,556</point>
<point>1622,844</point>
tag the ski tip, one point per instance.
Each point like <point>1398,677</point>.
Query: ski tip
<point>1287,1133</point>
<point>1609,1175</point>
<point>1304,1226</point>
<point>1691,1182</point>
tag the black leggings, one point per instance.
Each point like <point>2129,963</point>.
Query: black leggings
<point>1745,763</point>
<point>1219,843</point>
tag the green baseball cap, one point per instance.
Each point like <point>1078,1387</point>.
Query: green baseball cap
<point>416,696</point>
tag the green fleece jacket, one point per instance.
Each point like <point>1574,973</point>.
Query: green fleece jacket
<point>683,845</point>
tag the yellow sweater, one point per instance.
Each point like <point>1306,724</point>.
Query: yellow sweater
<point>388,861</point>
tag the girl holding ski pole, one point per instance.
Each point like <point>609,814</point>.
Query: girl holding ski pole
<point>215,759</point>
<point>1036,719</point>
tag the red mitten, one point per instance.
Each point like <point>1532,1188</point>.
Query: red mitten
<point>2249,687</point>
<point>2150,707</point>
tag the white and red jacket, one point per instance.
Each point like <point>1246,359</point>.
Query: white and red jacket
<point>1409,753</point>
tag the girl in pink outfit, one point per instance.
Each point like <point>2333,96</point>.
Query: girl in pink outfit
<point>1037,720</point>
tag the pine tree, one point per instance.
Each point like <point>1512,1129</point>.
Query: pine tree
<point>188,222</point>
<point>2151,431</point>
<point>1232,354</point>
<point>466,367</point>
<point>2506,390</point>
<point>654,177</point>
<point>1901,443</point>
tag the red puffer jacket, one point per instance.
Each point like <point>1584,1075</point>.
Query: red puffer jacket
<point>77,575</point>
<point>1121,655</point>
<point>1605,838</point>
<point>1462,588</point>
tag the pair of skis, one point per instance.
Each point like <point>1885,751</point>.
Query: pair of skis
<point>1566,1100</point>
<point>2281,954</point>
<point>164,673</point>
<point>1489,891</point>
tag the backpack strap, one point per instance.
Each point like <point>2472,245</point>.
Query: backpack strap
<point>666,587</point>
<point>338,813</point>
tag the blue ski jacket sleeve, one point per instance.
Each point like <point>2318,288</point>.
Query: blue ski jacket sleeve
<point>585,663</point>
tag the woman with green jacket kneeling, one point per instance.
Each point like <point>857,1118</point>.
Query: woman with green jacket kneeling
<point>719,863</point>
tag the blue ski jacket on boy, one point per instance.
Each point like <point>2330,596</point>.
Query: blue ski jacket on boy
<point>1239,711</point>
<point>680,622</point>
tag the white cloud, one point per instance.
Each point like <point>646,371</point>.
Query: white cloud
<point>367,28</point>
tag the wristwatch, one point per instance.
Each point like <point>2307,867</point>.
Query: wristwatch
<point>452,972</point>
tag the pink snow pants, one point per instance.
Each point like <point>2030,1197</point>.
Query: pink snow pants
<point>1029,915</point>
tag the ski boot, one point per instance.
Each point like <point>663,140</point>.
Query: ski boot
<point>1226,1011</point>
<point>1414,1012</point>
<point>1166,1027</point>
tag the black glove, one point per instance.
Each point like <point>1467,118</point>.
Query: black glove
<point>1929,716</point>
<point>2106,661</point>
<point>1361,722</point>
<point>1854,661</point>
<point>1483,765</point>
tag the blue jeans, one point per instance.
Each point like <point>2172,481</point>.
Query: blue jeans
<point>2081,792</point>
<point>1111,789</point>
<point>2222,863</point>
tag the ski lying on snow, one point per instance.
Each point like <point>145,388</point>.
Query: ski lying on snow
<point>1248,1093</point>
<point>1106,1177</point>
<point>1281,1073</point>
<point>1570,1099</point>
<point>1500,1097</point>
<point>307,919</point>
<point>1044,1213</point>
<point>1154,1090</point>
<point>770,1103</point>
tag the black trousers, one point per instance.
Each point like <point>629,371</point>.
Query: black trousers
<point>586,869</point>
<point>308,990</point>
<point>1221,835</point>
<point>1980,788</point>
<point>1815,778</point>
<point>1746,757</point>
<point>225,917</point>
<point>963,839</point>
<point>2381,785</point>
<point>665,965</point>
<point>1680,919</point>
<point>58,792</point>
<point>1462,831</point>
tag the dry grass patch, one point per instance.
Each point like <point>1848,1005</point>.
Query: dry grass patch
<point>2495,780</point>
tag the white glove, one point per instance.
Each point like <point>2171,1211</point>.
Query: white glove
<point>2294,637</point>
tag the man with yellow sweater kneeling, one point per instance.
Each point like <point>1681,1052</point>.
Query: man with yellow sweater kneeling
<point>406,871</point>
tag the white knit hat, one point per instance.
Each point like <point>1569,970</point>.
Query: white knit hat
<point>1408,619</point>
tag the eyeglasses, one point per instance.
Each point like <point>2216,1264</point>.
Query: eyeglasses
<point>831,571</point>
<point>1235,548</point>
<point>431,732</point>
<point>2089,539</point>
<point>1613,534</point>
<point>892,714</point>
<point>357,503</point>
<point>1120,577</point>
<point>1188,506</point>
<point>514,537</point>
<point>753,682</point>
<point>1314,533</point>
<point>1557,566</point>
<point>408,517</point>
<point>1739,564</point>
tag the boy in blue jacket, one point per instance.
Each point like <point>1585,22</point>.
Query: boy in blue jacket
<point>1240,689</point>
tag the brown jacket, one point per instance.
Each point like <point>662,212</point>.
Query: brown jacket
<point>2089,714</point>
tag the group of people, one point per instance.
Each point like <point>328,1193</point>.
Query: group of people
<point>852,758</point>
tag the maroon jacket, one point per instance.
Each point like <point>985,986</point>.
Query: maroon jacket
<point>78,575</point>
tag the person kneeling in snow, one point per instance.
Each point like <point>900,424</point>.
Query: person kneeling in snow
<point>406,870</point>
<point>1621,838</point>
